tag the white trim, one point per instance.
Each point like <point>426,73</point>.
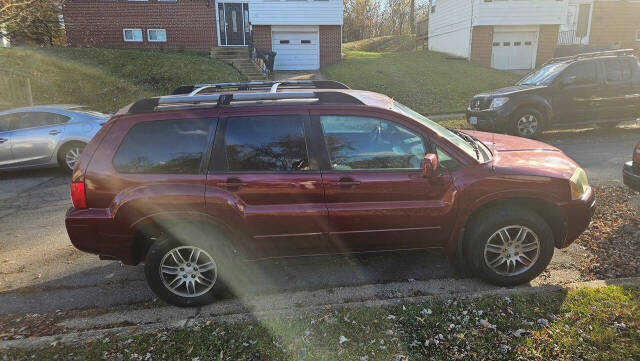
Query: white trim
<point>156,41</point>
<point>124,35</point>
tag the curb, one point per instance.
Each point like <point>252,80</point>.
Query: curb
<point>244,313</point>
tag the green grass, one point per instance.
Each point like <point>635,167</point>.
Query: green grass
<point>382,44</point>
<point>590,324</point>
<point>108,79</point>
<point>429,82</point>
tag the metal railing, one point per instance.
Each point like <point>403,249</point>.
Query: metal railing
<point>569,37</point>
<point>264,60</point>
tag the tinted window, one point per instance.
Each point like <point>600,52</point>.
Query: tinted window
<point>36,119</point>
<point>370,143</point>
<point>5,120</point>
<point>167,146</point>
<point>266,143</point>
<point>617,70</point>
<point>585,73</point>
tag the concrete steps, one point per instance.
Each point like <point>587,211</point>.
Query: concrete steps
<point>238,57</point>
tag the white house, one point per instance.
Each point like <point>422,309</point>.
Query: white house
<point>306,34</point>
<point>503,34</point>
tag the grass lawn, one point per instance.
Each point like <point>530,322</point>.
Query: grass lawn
<point>108,79</point>
<point>584,324</point>
<point>426,81</point>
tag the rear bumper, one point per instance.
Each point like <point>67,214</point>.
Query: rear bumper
<point>629,176</point>
<point>94,231</point>
<point>578,214</point>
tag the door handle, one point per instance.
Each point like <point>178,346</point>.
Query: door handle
<point>2,140</point>
<point>232,183</point>
<point>345,182</point>
<point>54,132</point>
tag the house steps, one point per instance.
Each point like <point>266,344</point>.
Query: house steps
<point>238,57</point>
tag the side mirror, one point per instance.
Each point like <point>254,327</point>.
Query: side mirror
<point>570,80</point>
<point>429,165</point>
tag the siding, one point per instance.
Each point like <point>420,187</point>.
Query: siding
<point>615,22</point>
<point>519,12</point>
<point>450,27</point>
<point>301,12</point>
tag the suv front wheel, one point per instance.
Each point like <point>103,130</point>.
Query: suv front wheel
<point>509,246</point>
<point>527,123</point>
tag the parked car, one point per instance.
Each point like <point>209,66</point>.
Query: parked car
<point>597,88</point>
<point>189,184</point>
<point>631,170</point>
<point>46,135</point>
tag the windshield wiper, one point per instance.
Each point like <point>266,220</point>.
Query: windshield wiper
<point>469,139</point>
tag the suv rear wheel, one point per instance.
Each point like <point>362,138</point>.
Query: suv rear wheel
<point>527,123</point>
<point>509,246</point>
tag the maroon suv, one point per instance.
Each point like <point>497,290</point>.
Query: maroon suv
<point>196,183</point>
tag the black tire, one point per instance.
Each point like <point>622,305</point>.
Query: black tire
<point>522,123</point>
<point>212,242</point>
<point>67,149</point>
<point>486,224</point>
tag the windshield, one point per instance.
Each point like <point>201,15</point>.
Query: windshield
<point>544,75</point>
<point>439,129</point>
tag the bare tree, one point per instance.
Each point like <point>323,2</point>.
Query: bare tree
<point>32,21</point>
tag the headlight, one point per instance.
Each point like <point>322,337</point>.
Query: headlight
<point>498,102</point>
<point>579,183</point>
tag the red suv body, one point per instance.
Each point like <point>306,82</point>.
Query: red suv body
<point>333,171</point>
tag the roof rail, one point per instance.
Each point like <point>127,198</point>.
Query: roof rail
<point>256,85</point>
<point>591,55</point>
<point>150,104</point>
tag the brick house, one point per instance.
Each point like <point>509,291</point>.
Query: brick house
<point>503,34</point>
<point>306,34</point>
<point>602,24</point>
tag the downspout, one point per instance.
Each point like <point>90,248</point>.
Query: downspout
<point>471,28</point>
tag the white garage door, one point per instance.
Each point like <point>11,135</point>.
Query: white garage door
<point>296,50</point>
<point>514,50</point>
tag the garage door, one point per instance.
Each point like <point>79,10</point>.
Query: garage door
<point>296,50</point>
<point>514,50</point>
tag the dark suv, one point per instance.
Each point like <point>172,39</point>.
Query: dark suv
<point>596,88</point>
<point>196,184</point>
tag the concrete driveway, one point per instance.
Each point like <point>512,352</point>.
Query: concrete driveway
<point>40,271</point>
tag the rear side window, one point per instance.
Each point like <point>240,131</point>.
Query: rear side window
<point>585,73</point>
<point>266,144</point>
<point>617,70</point>
<point>26,120</point>
<point>164,147</point>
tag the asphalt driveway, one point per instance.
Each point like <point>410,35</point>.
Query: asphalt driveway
<point>40,271</point>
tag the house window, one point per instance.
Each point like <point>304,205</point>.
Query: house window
<point>305,41</point>
<point>157,35</point>
<point>134,35</point>
<point>433,6</point>
<point>496,43</point>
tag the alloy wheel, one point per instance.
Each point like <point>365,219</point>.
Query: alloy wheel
<point>188,271</point>
<point>512,250</point>
<point>528,125</point>
<point>72,156</point>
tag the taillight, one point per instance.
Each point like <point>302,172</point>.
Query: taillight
<point>78,195</point>
<point>636,154</point>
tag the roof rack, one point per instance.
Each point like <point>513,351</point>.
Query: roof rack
<point>257,85</point>
<point>591,55</point>
<point>150,104</point>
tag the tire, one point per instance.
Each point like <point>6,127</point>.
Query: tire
<point>527,123</point>
<point>214,254</point>
<point>69,155</point>
<point>484,233</point>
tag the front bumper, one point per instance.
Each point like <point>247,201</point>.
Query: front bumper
<point>490,120</point>
<point>629,176</point>
<point>578,214</point>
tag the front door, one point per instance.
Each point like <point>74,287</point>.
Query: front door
<point>576,99</point>
<point>234,20</point>
<point>35,136</point>
<point>261,168</point>
<point>376,195</point>
<point>5,141</point>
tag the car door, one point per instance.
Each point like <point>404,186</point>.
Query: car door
<point>576,98</point>
<point>264,180</point>
<point>374,189</point>
<point>35,136</point>
<point>6,158</point>
<point>617,97</point>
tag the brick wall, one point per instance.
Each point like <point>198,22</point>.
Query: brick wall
<point>190,25</point>
<point>615,21</point>
<point>262,37</point>
<point>547,43</point>
<point>330,44</point>
<point>482,45</point>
